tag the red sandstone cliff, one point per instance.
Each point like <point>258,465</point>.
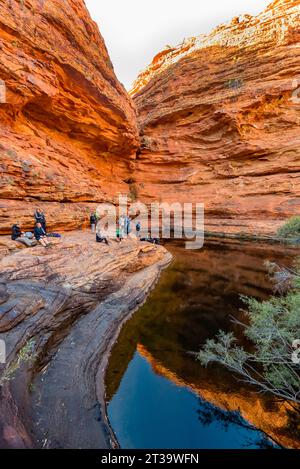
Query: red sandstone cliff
<point>68,129</point>
<point>216,117</point>
<point>218,124</point>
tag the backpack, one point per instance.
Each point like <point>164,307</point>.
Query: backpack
<point>28,235</point>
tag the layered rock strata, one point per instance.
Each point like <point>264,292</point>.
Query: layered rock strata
<point>219,122</point>
<point>68,131</point>
<point>60,311</point>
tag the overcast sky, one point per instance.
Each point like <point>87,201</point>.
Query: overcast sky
<point>136,30</point>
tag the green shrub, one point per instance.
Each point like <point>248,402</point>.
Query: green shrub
<point>25,355</point>
<point>272,327</point>
<point>291,229</point>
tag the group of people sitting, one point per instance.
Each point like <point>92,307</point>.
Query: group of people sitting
<point>39,234</point>
<point>123,229</point>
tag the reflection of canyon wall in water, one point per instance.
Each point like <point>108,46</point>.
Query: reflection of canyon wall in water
<point>271,418</point>
<point>218,124</point>
<point>193,300</point>
<point>68,128</point>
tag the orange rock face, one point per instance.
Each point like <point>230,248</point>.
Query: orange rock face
<point>219,122</point>
<point>68,129</point>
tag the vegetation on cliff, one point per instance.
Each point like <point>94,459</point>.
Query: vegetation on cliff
<point>291,229</point>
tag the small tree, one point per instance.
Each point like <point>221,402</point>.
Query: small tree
<point>272,327</point>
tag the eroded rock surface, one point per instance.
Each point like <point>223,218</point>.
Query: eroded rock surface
<point>68,302</point>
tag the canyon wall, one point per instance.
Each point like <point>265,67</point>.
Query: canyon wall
<point>68,132</point>
<point>219,122</point>
<point>218,119</point>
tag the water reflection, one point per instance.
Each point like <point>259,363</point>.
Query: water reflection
<point>154,385</point>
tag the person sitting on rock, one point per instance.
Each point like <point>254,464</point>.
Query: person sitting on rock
<point>40,218</point>
<point>138,228</point>
<point>151,240</point>
<point>19,236</point>
<point>100,238</point>
<point>40,235</point>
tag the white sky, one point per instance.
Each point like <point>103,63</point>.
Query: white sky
<point>136,30</point>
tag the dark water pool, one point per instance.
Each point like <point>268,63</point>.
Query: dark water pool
<point>158,396</point>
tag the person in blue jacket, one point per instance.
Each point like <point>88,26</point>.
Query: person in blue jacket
<point>40,235</point>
